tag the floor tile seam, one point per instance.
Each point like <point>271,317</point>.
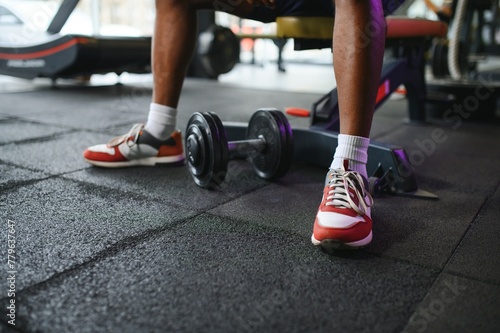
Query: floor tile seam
<point>129,194</point>
<point>43,138</point>
<point>6,118</point>
<point>32,121</point>
<point>472,278</point>
<point>466,231</point>
<point>112,250</point>
<point>263,227</point>
<point>307,240</point>
<point>430,268</point>
<point>69,128</point>
<point>440,271</point>
<point>438,277</point>
<point>14,165</point>
<point>236,197</point>
<point>74,129</point>
<point>40,170</point>
<point>65,175</point>
<point>419,304</point>
<point>487,201</point>
<point>121,192</point>
<point>23,183</point>
<point>26,118</point>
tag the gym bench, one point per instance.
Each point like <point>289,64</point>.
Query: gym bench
<point>408,39</point>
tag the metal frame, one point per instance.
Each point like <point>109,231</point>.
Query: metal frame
<point>62,15</point>
<point>406,67</point>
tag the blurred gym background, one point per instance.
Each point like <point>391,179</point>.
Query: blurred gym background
<point>258,64</point>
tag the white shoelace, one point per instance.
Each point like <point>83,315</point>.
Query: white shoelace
<point>340,196</point>
<point>134,132</point>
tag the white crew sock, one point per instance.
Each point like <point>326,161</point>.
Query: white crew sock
<point>161,121</point>
<point>355,150</point>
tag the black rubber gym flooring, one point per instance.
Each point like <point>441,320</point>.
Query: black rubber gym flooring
<point>146,250</point>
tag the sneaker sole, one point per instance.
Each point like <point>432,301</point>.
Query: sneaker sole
<point>149,161</point>
<point>336,244</point>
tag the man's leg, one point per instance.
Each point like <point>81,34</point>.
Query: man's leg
<point>174,41</point>
<point>358,50</point>
<point>173,46</point>
<point>343,218</point>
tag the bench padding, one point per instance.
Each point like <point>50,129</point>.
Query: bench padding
<point>322,27</point>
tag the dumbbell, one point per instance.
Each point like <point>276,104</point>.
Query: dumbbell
<point>268,146</point>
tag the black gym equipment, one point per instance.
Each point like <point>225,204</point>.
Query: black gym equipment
<point>69,56</point>
<point>475,25</point>
<point>218,50</point>
<point>54,55</point>
<point>390,166</point>
<point>268,146</point>
<point>455,61</point>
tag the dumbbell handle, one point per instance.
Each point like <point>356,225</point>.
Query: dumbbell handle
<point>244,146</point>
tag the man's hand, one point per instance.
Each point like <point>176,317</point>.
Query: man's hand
<point>266,3</point>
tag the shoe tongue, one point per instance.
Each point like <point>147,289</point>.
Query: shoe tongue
<point>131,134</point>
<point>329,177</point>
<point>116,141</point>
<point>346,164</point>
<point>147,138</point>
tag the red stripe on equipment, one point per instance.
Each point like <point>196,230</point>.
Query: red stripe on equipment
<point>383,91</point>
<point>298,112</point>
<point>401,91</point>
<point>44,53</point>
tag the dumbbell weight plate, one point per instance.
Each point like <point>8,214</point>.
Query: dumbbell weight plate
<point>219,50</point>
<point>276,158</point>
<point>439,60</point>
<point>206,149</point>
<point>287,147</point>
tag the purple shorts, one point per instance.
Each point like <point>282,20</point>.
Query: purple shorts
<point>307,8</point>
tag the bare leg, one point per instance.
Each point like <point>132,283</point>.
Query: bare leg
<point>174,41</point>
<point>358,47</point>
<point>358,50</point>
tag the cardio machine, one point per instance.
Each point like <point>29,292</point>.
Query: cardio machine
<point>53,55</point>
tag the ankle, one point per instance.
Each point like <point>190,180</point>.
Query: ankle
<point>161,121</point>
<point>354,151</point>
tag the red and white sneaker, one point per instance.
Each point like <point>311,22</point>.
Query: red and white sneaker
<point>137,147</point>
<point>343,220</point>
